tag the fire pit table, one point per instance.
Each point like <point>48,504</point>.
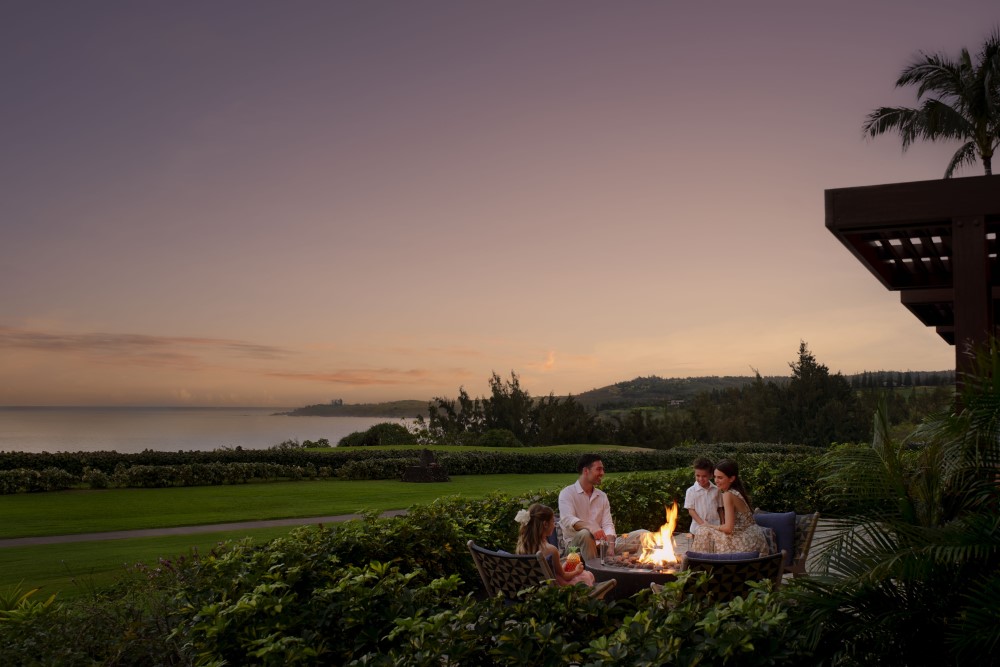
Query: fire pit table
<point>631,580</point>
<point>633,576</point>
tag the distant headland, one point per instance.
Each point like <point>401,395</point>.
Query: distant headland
<point>409,409</point>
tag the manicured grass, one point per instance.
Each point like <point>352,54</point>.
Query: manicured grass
<point>69,512</point>
<point>76,568</point>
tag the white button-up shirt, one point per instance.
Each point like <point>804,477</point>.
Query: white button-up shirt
<point>706,502</point>
<point>593,510</point>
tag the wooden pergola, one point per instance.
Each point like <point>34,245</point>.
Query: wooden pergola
<point>935,242</point>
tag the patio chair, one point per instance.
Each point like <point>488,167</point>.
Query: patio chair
<point>730,577</point>
<point>510,574</point>
<point>791,532</point>
<point>805,528</point>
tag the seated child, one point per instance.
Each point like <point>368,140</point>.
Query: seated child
<point>537,523</point>
<point>702,500</point>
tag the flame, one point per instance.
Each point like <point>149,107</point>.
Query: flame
<point>658,548</point>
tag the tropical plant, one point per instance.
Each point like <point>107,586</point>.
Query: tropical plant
<point>915,561</point>
<point>964,104</point>
<point>16,604</point>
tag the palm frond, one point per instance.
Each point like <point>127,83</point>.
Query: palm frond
<point>979,634</point>
<point>888,119</point>
<point>935,72</point>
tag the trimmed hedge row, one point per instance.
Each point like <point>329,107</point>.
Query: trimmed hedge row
<point>75,462</point>
<point>154,477</point>
<point>154,470</point>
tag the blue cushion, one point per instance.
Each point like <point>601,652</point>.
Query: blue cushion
<point>736,555</point>
<point>783,524</point>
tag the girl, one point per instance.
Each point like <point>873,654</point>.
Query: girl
<point>537,523</point>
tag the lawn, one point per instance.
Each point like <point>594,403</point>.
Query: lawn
<point>75,568</point>
<point>69,512</point>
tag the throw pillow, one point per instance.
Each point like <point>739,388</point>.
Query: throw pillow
<point>783,524</point>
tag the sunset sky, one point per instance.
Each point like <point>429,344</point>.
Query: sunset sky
<point>282,203</point>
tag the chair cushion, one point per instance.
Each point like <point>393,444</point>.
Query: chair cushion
<point>783,524</point>
<point>738,555</point>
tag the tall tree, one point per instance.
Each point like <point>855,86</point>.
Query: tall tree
<point>963,103</point>
<point>818,408</point>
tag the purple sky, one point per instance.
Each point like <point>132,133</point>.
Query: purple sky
<point>264,203</point>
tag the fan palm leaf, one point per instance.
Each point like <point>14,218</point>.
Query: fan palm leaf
<point>963,103</point>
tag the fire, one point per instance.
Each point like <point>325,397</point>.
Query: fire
<point>658,548</point>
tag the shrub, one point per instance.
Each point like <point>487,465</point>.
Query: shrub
<point>382,434</point>
<point>375,469</point>
<point>95,479</point>
<point>499,437</point>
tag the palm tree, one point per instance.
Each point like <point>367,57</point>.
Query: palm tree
<point>964,105</point>
<point>914,565</point>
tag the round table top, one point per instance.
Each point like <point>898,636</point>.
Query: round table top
<point>630,580</point>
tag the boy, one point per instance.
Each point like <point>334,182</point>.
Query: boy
<point>702,500</point>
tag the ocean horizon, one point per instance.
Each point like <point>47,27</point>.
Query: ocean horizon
<point>131,429</point>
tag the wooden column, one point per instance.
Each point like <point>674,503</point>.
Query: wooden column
<point>973,302</point>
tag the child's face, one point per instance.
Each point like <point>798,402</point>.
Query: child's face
<point>702,477</point>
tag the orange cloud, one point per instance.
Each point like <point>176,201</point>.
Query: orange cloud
<point>133,348</point>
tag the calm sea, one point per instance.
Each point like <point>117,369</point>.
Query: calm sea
<point>62,429</point>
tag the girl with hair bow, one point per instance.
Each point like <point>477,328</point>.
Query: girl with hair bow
<point>537,523</point>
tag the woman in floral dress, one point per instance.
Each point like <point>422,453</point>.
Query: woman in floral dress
<point>739,532</point>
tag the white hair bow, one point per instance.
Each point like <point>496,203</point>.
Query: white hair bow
<point>522,517</point>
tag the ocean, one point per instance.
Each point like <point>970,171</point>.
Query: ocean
<point>73,429</point>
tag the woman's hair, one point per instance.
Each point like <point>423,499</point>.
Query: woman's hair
<point>531,535</point>
<point>730,469</point>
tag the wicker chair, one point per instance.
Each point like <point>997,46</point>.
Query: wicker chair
<point>805,528</point>
<point>729,577</point>
<point>510,574</point>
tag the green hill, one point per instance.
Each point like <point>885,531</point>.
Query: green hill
<point>656,391</point>
<point>639,392</point>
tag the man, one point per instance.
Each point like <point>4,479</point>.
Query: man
<point>584,511</point>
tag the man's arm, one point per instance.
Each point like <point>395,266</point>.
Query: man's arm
<point>607,524</point>
<point>567,510</point>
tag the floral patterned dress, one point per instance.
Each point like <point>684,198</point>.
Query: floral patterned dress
<point>746,536</point>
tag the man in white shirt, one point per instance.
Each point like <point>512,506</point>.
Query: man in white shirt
<point>702,500</point>
<point>584,511</point>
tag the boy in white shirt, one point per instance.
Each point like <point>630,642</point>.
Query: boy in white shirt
<point>703,500</point>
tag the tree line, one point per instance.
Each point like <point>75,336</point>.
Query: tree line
<point>813,407</point>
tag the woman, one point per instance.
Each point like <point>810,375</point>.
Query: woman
<point>738,532</point>
<point>537,523</point>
